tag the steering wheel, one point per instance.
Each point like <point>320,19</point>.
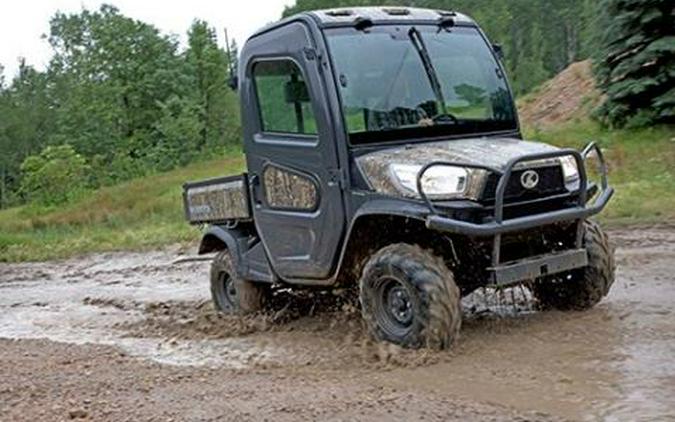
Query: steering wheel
<point>445,118</point>
<point>438,118</point>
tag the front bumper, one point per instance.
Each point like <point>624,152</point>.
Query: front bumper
<point>537,266</point>
<point>439,222</point>
<point>497,225</point>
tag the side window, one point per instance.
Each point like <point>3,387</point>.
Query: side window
<point>286,189</point>
<point>283,98</point>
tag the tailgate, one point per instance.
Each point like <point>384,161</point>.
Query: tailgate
<point>217,200</point>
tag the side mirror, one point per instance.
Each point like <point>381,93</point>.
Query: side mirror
<point>296,92</point>
<point>233,82</point>
<point>499,51</point>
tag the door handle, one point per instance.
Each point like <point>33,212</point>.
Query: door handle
<point>254,182</point>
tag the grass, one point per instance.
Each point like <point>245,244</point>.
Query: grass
<point>140,214</point>
<point>641,168</point>
<point>147,213</point>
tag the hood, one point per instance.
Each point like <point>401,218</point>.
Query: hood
<point>491,152</point>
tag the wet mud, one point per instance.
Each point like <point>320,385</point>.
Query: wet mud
<point>153,321</point>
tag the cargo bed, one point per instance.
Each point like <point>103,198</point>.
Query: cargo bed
<point>217,200</point>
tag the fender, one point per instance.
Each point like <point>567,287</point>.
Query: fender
<point>218,238</point>
<point>382,206</point>
<point>249,257</point>
<point>391,206</point>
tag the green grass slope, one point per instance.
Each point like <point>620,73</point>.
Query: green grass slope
<point>139,214</point>
<point>641,166</point>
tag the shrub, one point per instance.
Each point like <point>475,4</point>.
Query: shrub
<point>54,176</point>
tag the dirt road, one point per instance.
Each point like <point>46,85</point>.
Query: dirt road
<point>128,336</point>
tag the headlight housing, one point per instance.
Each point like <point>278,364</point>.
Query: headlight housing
<point>438,182</point>
<point>570,172</point>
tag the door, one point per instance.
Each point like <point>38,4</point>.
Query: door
<point>292,163</point>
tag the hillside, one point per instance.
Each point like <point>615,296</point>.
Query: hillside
<point>641,161</point>
<point>569,96</point>
<point>139,214</point>
<point>147,212</point>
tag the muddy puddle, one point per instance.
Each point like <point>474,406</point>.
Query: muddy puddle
<point>615,362</point>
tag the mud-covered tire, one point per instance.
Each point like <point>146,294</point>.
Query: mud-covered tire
<point>580,289</point>
<point>406,273</point>
<point>231,294</point>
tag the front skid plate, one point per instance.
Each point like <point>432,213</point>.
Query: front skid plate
<point>538,266</point>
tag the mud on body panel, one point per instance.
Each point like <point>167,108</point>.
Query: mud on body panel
<point>494,153</point>
<point>289,190</point>
<point>375,168</point>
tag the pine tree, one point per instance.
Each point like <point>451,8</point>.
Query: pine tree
<point>636,64</point>
<point>208,65</point>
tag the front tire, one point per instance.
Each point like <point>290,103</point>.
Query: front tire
<point>230,293</point>
<point>583,288</point>
<point>409,297</point>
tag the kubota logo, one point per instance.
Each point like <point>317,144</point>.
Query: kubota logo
<point>529,179</point>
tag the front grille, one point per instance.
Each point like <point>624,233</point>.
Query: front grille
<point>551,182</point>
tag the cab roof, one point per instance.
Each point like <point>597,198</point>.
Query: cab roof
<point>384,14</point>
<point>349,16</point>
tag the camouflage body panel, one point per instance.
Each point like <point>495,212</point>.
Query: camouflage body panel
<point>217,200</point>
<point>289,190</point>
<point>490,152</point>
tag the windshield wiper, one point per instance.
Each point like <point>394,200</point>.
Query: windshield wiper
<point>418,42</point>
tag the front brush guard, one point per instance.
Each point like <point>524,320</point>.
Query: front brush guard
<point>497,225</point>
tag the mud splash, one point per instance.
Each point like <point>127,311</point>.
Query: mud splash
<point>150,308</point>
<point>613,362</point>
<point>83,301</point>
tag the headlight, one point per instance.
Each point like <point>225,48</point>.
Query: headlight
<point>570,171</point>
<point>439,182</point>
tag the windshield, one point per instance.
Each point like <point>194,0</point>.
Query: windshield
<point>399,82</point>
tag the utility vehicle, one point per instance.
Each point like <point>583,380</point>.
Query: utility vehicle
<point>383,151</point>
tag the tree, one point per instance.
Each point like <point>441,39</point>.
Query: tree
<point>25,124</point>
<point>636,61</point>
<point>531,70</point>
<point>589,36</point>
<point>181,130</point>
<point>112,73</point>
<point>473,95</point>
<point>5,143</point>
<point>54,175</point>
<point>122,95</point>
<point>208,65</point>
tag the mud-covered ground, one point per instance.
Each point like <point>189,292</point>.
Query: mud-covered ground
<point>129,336</point>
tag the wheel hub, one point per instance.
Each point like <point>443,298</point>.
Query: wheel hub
<point>230,290</point>
<point>394,308</point>
<point>399,304</point>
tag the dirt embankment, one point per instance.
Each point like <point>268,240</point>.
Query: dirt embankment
<point>127,336</point>
<point>569,95</point>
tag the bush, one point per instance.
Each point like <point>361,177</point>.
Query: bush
<point>54,176</point>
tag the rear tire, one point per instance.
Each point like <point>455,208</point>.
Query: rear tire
<point>583,288</point>
<point>230,293</point>
<point>409,297</point>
